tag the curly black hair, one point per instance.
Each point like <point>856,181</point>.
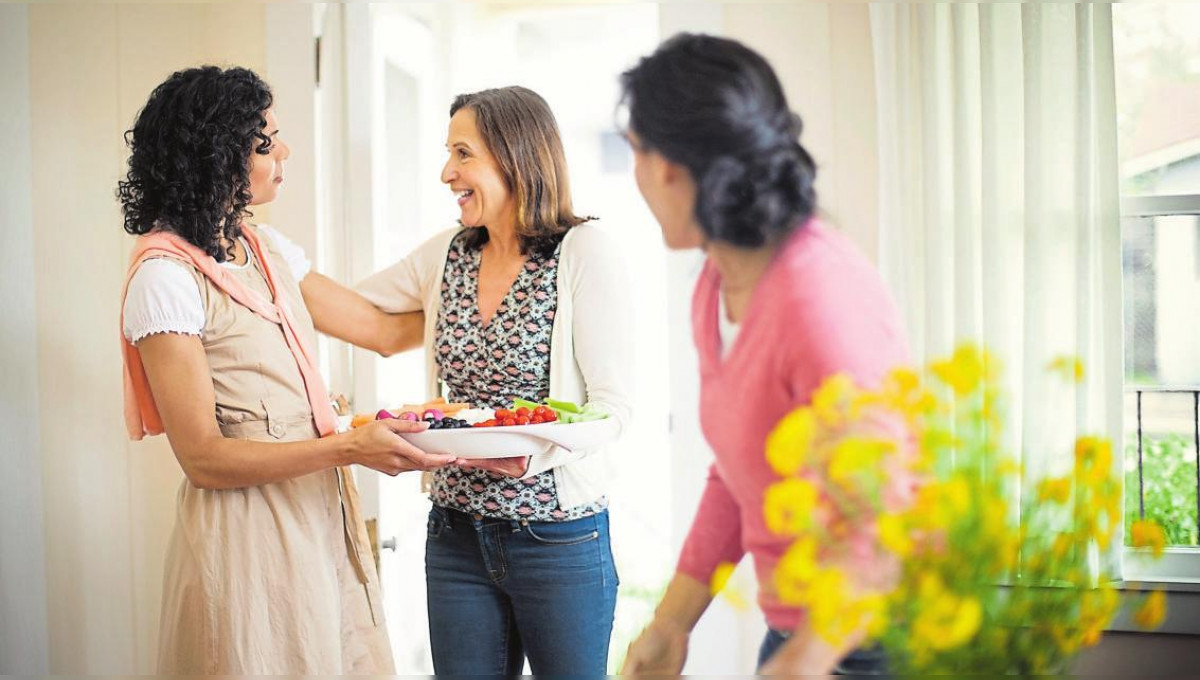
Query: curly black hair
<point>189,161</point>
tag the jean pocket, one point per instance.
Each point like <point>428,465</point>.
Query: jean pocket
<point>436,524</point>
<point>562,533</point>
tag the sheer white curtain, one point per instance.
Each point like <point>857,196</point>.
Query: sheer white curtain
<point>999,205</point>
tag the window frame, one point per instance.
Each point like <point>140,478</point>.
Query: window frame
<point>1179,565</point>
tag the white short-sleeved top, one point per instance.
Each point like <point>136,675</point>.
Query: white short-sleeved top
<point>163,296</point>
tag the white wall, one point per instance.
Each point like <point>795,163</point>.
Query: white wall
<point>109,503</point>
<point>22,541</point>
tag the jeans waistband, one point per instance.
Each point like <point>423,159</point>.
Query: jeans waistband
<point>454,516</point>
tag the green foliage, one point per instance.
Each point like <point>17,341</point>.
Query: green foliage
<point>1169,486</point>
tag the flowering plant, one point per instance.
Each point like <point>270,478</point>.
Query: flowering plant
<point>899,501</point>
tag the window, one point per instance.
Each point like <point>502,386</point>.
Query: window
<point>1157,55</point>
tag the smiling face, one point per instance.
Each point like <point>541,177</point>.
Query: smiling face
<point>475,177</point>
<point>266,169</point>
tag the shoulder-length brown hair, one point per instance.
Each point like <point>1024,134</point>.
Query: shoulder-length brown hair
<point>521,133</point>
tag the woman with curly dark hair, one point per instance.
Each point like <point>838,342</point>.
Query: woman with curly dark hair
<point>268,570</point>
<point>782,303</point>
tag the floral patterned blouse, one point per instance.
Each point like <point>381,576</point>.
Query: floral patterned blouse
<point>488,366</point>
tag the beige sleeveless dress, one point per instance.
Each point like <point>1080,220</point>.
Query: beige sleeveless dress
<point>278,578</point>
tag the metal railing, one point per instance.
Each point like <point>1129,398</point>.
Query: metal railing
<point>1139,391</point>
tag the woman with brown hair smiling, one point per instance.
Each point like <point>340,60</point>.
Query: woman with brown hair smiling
<point>525,300</point>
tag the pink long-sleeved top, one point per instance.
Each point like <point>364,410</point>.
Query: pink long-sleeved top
<point>820,309</point>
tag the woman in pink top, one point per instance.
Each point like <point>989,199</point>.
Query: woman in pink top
<point>782,303</point>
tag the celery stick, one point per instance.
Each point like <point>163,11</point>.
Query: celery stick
<point>563,406</point>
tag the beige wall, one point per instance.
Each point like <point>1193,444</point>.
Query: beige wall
<point>822,54</point>
<point>109,503</point>
<point>22,535</point>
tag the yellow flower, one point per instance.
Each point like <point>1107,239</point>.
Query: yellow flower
<point>995,516</point>
<point>1008,467</point>
<point>828,606</point>
<point>863,401</point>
<point>1070,367</point>
<point>1147,534</point>
<point>938,503</point>
<point>902,380</point>
<point>1152,612</point>
<point>829,399</point>
<point>902,392</point>
<point>1093,459</point>
<point>1061,546</point>
<point>788,506</point>
<point>720,580</point>
<point>795,572</point>
<point>1056,490</point>
<point>965,371</point>
<point>856,454</point>
<point>893,536</point>
<point>958,494</point>
<point>874,608</point>
<point>789,443</point>
<point>945,620</point>
<point>721,577</point>
<point>1010,552</point>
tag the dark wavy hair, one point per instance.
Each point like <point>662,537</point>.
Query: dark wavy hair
<point>521,133</point>
<point>189,160</point>
<point>716,107</point>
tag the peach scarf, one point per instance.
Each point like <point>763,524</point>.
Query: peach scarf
<point>141,414</point>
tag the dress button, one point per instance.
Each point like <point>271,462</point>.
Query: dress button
<point>276,430</point>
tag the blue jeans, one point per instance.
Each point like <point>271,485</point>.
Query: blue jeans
<point>503,590</point>
<point>862,661</point>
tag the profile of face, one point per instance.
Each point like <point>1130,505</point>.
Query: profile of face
<point>670,192</point>
<point>474,175</point>
<point>266,169</point>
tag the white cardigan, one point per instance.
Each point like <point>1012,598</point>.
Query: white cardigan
<point>591,341</point>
